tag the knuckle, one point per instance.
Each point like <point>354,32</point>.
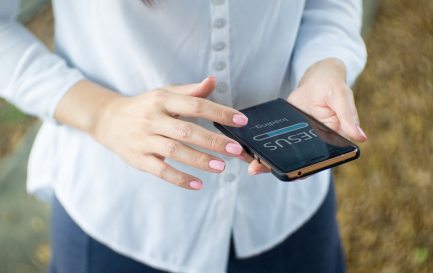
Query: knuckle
<point>184,131</point>
<point>160,95</point>
<point>222,116</point>
<point>201,160</point>
<point>160,170</point>
<point>139,164</point>
<point>139,152</point>
<point>215,142</point>
<point>196,105</point>
<point>171,149</point>
<point>146,117</point>
<point>180,180</point>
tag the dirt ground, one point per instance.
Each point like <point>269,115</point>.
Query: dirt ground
<point>386,197</point>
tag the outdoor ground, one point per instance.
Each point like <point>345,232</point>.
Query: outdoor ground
<point>13,123</point>
<point>24,221</point>
<point>385,198</point>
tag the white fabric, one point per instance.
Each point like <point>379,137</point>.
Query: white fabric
<point>130,48</point>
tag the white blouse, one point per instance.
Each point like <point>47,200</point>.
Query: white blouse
<point>258,50</point>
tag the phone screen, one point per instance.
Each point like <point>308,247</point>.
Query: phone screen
<point>287,138</point>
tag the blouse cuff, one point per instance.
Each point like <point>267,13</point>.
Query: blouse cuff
<point>354,62</point>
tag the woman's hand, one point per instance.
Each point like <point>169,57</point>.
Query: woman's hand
<point>324,94</point>
<point>144,130</point>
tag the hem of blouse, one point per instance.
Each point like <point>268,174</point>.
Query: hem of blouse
<point>279,239</point>
<point>155,263</point>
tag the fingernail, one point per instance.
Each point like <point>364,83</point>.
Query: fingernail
<point>240,119</point>
<point>361,131</point>
<point>253,172</point>
<point>197,185</point>
<point>209,78</point>
<point>234,148</point>
<point>217,165</point>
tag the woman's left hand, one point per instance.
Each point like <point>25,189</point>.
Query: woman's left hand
<point>324,94</point>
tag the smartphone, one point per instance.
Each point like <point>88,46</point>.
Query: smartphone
<point>290,142</point>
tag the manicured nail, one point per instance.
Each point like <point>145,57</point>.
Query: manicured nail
<point>240,119</point>
<point>217,165</point>
<point>234,148</point>
<point>197,185</point>
<point>208,78</point>
<point>253,172</point>
<point>361,131</point>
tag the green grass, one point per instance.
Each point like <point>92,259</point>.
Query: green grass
<point>13,124</point>
<point>10,115</point>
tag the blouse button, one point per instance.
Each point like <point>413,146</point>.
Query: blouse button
<point>219,23</point>
<point>219,46</point>
<point>218,66</point>
<point>218,2</point>
<point>221,87</point>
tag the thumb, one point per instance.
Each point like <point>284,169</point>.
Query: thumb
<point>202,89</point>
<point>343,105</point>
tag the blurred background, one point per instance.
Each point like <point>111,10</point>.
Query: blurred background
<point>385,198</point>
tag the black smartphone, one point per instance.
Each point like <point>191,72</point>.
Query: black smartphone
<point>290,142</point>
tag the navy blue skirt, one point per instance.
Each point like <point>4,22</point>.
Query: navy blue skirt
<point>315,247</point>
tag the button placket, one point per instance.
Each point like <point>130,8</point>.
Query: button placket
<point>219,23</point>
<point>229,177</point>
<point>218,46</point>
<point>218,2</point>
<point>219,65</point>
<point>221,87</point>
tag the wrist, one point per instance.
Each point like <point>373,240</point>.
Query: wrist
<point>85,105</point>
<point>333,68</point>
<point>103,114</point>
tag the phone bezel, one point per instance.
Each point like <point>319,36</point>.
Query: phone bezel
<point>306,169</point>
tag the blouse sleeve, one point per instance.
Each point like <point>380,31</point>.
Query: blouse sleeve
<point>31,77</point>
<point>330,28</point>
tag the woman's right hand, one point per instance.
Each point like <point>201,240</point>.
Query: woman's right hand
<point>144,130</point>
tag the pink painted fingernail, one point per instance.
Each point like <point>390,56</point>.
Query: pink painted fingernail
<point>240,119</point>
<point>234,148</point>
<point>361,131</point>
<point>217,165</point>
<point>253,172</point>
<point>197,185</point>
<point>210,78</point>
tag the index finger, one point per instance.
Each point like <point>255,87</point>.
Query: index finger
<point>195,107</point>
